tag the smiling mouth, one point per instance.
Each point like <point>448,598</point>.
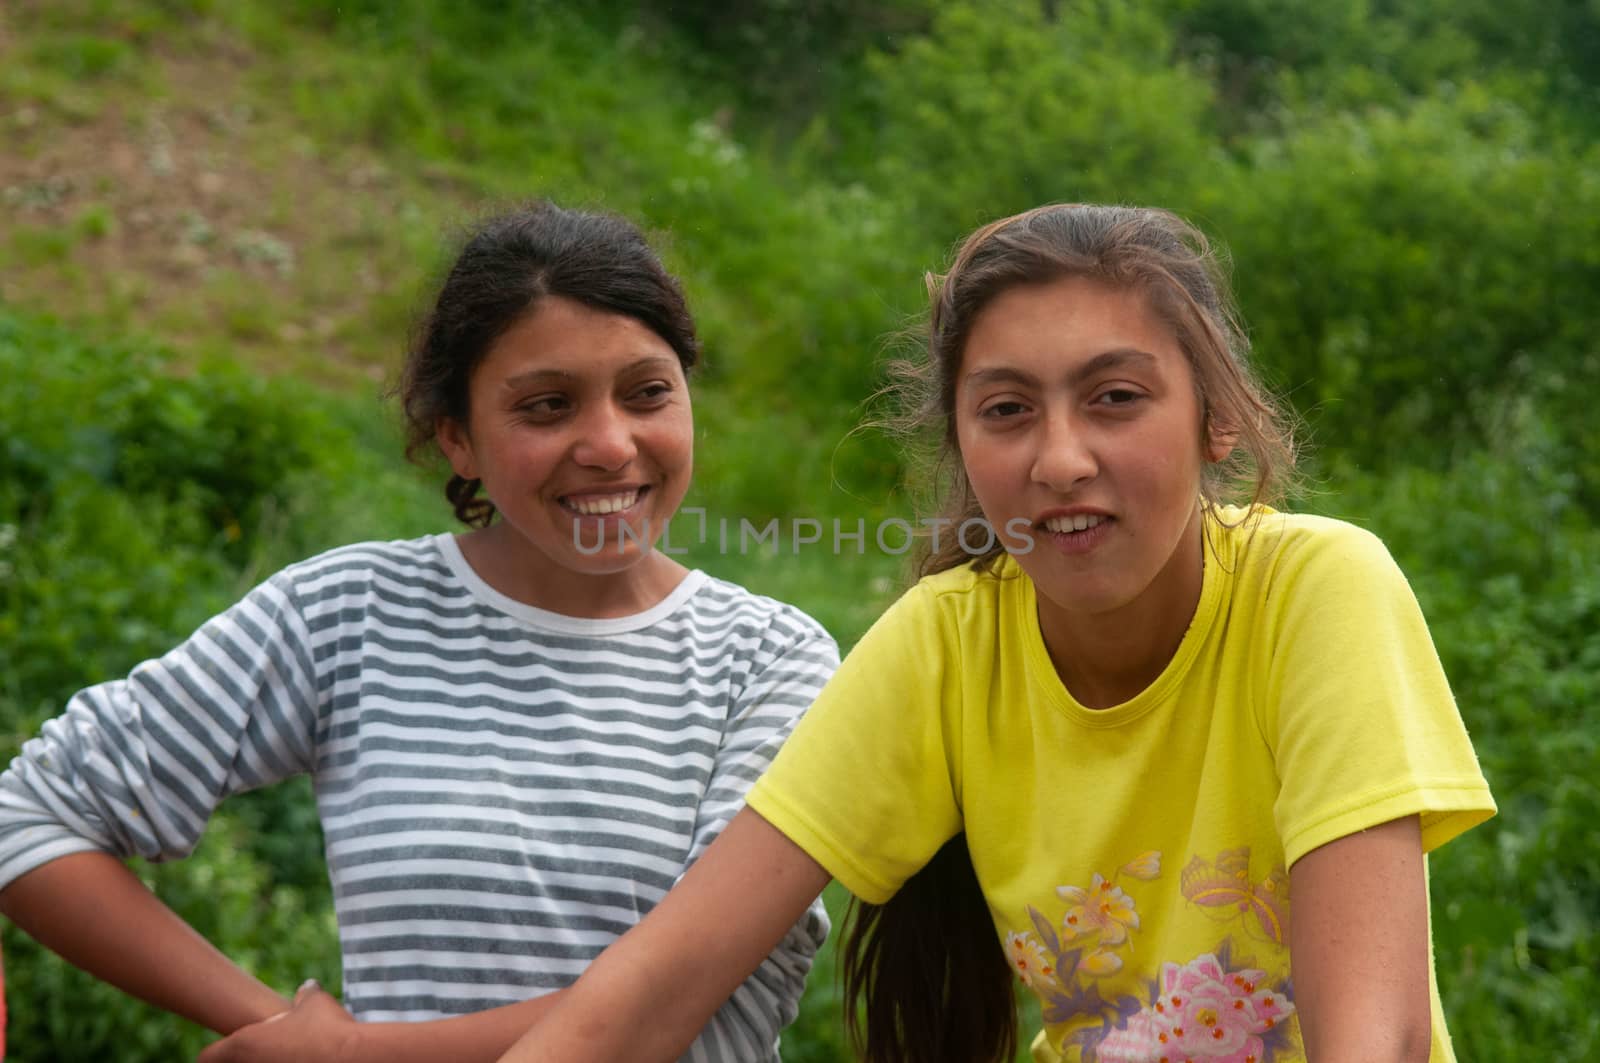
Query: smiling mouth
<point>1076,523</point>
<point>594,505</point>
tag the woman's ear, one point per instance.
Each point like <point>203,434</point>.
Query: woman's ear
<point>1220,439</point>
<point>457,446</point>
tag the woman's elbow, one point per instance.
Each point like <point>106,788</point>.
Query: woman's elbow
<point>1418,1043</point>
<point>1399,1039</point>
<point>1414,1040</point>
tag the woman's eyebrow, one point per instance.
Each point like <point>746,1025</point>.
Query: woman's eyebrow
<point>541,375</point>
<point>538,376</point>
<point>1001,374</point>
<point>1116,358</point>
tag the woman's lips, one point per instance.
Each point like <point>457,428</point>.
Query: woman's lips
<point>603,504</point>
<point>1076,540</point>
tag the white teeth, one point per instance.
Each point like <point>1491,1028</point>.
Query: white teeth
<point>600,506</point>
<point>1077,522</point>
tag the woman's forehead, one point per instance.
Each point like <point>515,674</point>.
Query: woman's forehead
<point>1067,323</point>
<point>562,338</point>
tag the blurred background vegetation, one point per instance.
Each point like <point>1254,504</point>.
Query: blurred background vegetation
<point>216,221</point>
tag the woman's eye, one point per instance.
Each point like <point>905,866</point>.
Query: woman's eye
<point>545,406</point>
<point>652,393</point>
<point>1002,409</point>
<point>1118,397</point>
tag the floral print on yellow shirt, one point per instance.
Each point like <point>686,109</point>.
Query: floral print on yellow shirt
<point>1218,1006</point>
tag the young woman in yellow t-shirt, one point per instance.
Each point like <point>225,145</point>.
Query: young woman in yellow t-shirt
<point>1144,718</point>
<point>1102,747</point>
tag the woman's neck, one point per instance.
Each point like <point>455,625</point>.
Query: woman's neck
<point>1107,659</point>
<point>495,556</point>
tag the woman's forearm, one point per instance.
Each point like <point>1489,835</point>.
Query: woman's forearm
<point>480,1037</point>
<point>318,1030</point>
<point>96,914</point>
<point>647,997</point>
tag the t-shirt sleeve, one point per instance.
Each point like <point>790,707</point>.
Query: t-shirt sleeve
<point>865,785</point>
<point>1358,710</point>
<point>788,670</point>
<point>135,767</point>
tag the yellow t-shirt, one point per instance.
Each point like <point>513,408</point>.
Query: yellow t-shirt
<point>1135,858</point>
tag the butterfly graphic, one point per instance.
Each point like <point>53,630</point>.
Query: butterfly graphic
<point>1225,887</point>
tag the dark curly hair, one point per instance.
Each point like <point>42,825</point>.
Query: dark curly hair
<point>506,265</point>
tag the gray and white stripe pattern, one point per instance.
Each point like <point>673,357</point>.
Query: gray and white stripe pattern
<point>504,791</point>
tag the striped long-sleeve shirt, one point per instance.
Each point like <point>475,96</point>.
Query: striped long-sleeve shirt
<point>504,791</point>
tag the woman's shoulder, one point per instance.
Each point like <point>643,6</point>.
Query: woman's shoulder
<point>972,591</point>
<point>1264,536</point>
<point>1281,557</point>
<point>418,563</point>
<point>965,604</point>
<point>733,607</point>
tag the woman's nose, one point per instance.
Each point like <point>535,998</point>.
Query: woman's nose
<point>606,439</point>
<point>1065,457</point>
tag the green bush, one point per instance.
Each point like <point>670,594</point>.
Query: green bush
<point>1003,106</point>
<point>1272,52</point>
<point>1504,563</point>
<point>140,500</point>
<point>1418,273</point>
<point>134,503</point>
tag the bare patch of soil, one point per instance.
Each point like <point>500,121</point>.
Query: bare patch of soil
<point>189,212</point>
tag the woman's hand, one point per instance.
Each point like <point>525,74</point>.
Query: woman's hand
<point>316,1029</point>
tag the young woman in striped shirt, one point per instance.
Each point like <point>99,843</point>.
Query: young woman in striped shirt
<point>519,736</point>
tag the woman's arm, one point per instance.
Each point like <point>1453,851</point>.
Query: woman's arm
<point>318,1030</point>
<point>1358,935</point>
<point>784,677</point>
<point>135,767</point>
<point>645,998</point>
<point>648,995</point>
<point>97,915</point>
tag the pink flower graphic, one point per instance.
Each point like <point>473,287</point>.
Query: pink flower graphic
<point>1137,1042</point>
<point>1201,1012</point>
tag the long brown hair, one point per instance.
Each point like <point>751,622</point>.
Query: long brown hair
<point>927,967</point>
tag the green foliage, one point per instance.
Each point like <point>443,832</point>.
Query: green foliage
<point>82,56</point>
<point>1416,272</point>
<point>138,502</point>
<point>1508,571</point>
<point>1267,52</point>
<point>784,57</point>
<point>35,245</point>
<point>134,503</point>
<point>1002,107</point>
